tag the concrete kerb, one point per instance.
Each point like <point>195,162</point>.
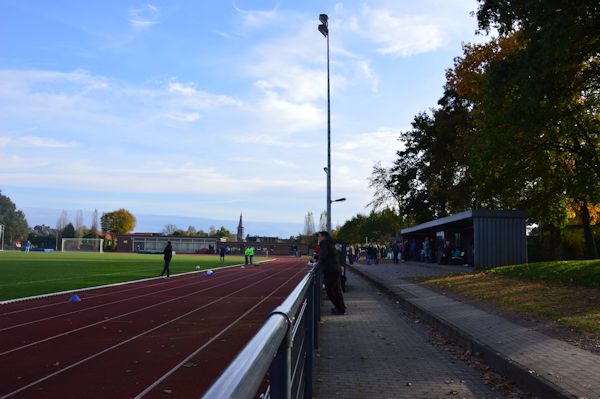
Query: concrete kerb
<point>527,379</point>
<point>96,287</point>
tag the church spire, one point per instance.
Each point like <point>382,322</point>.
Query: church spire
<point>240,230</point>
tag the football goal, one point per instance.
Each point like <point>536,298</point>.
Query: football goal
<point>1,237</point>
<point>82,245</point>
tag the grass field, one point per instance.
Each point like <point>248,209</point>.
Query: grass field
<point>38,273</point>
<point>583,273</point>
<point>567,292</point>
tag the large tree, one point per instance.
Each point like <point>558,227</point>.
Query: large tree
<point>94,225</point>
<point>309,224</point>
<point>542,100</point>
<point>120,221</point>
<point>61,223</point>
<point>69,231</point>
<point>15,224</point>
<point>375,227</point>
<point>170,229</point>
<point>79,226</point>
<point>222,232</point>
<point>429,178</point>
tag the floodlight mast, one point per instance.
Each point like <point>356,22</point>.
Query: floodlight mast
<point>324,29</point>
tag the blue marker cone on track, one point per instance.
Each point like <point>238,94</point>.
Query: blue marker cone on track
<point>74,298</point>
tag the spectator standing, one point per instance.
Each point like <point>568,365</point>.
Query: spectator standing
<point>395,252</point>
<point>332,271</point>
<point>426,250</point>
<point>351,254</point>
<point>251,254</point>
<point>247,254</point>
<point>167,255</point>
<point>222,254</point>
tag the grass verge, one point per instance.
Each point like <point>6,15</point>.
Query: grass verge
<point>564,292</point>
<point>582,273</point>
<point>39,273</point>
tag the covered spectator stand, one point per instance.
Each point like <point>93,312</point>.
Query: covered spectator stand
<point>481,238</point>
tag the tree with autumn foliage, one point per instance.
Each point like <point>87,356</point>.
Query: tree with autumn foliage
<point>541,97</point>
<point>120,221</point>
<point>429,179</point>
<point>518,125</point>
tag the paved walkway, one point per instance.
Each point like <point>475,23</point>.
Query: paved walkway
<point>557,365</point>
<point>374,351</point>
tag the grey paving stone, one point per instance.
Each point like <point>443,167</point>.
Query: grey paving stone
<point>575,371</point>
<point>375,352</point>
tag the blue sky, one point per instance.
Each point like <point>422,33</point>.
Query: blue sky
<point>212,108</point>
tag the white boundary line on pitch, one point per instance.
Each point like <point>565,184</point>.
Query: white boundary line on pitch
<point>188,283</point>
<point>51,294</point>
<point>93,356</point>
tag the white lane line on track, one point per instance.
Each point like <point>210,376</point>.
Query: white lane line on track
<point>210,341</point>
<point>52,294</point>
<point>114,318</point>
<point>105,304</point>
<point>130,339</point>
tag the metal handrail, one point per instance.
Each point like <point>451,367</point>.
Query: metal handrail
<point>245,374</point>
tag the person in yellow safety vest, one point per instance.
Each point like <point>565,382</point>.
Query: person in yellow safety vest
<point>247,254</point>
<point>251,253</point>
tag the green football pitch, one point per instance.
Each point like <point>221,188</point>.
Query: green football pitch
<point>36,273</point>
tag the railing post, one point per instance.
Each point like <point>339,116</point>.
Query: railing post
<point>310,341</point>
<point>280,371</point>
<point>317,304</point>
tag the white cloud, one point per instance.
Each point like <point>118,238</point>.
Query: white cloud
<point>159,179</point>
<point>20,164</point>
<point>33,141</point>
<point>179,88</point>
<point>351,167</point>
<point>369,75</point>
<point>284,116</point>
<point>79,100</point>
<point>188,95</point>
<point>257,18</point>
<point>191,117</point>
<point>383,142</point>
<point>266,161</point>
<point>225,35</point>
<point>285,164</point>
<point>143,17</point>
<point>4,141</point>
<point>402,35</point>
<point>263,139</point>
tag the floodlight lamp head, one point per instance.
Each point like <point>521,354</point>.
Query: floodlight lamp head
<point>323,18</point>
<point>323,29</point>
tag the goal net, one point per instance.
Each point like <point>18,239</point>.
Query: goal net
<point>82,245</point>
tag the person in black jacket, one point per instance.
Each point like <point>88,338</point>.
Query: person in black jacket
<point>168,254</point>
<point>329,263</point>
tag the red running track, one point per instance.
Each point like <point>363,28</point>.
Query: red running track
<point>159,338</point>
